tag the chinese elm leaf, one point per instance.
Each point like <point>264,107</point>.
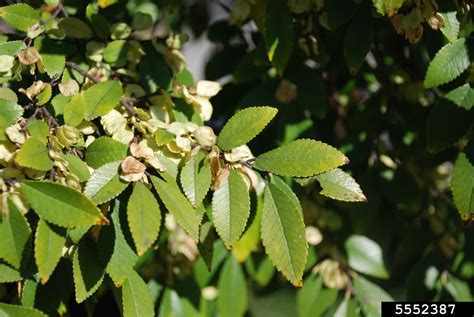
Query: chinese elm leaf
<point>76,28</point>
<point>388,7</point>
<point>14,234</point>
<point>101,98</point>
<point>451,26</point>
<point>144,217</point>
<point>52,55</point>
<point>78,167</point>
<point>313,300</point>
<point>450,61</point>
<point>21,16</point>
<point>233,298</point>
<point>196,179</point>
<point>462,186</point>
<point>283,231</point>
<point>371,295</point>
<point>244,126</point>
<point>75,110</point>
<point>300,158</point>
<point>116,52</point>
<point>251,237</point>
<point>34,154</point>
<point>365,256</point>
<point>49,243</point>
<point>11,48</point>
<point>39,129</point>
<point>463,96</point>
<point>105,150</point>
<point>231,208</point>
<point>9,274</point>
<point>8,94</point>
<point>7,310</point>
<point>61,205</point>
<point>136,297</point>
<point>339,185</point>
<point>178,205</point>
<point>339,12</point>
<point>9,112</point>
<point>105,183</point>
<point>87,271</point>
<point>44,96</point>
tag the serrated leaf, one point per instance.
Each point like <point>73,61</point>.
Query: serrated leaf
<point>251,237</point>
<point>21,16</point>
<point>231,208</point>
<point>163,137</point>
<point>254,119</point>
<point>61,205</point>
<point>87,271</point>
<point>11,48</point>
<point>53,55</point>
<point>451,26</point>
<point>365,256</point>
<point>105,183</point>
<point>77,166</point>
<point>75,110</point>
<point>300,158</point>
<point>34,154</point>
<point>45,95</point>
<point>116,52</point>
<point>122,260</point>
<point>371,295</point>
<point>178,205</point>
<point>462,186</point>
<point>39,129</point>
<point>101,98</point>
<point>463,96</point>
<point>105,150</point>
<point>196,179</point>
<point>14,234</point>
<point>7,310</point>
<point>357,47</point>
<point>8,94</point>
<point>75,28</point>
<point>136,298</point>
<point>339,185</point>
<point>171,304</point>
<point>233,298</point>
<point>9,274</point>
<point>144,217</point>
<point>313,299</point>
<point>283,231</point>
<point>49,243</point>
<point>9,112</point>
<point>450,62</point>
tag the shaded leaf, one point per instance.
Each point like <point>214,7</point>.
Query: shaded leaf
<point>371,295</point>
<point>101,98</point>
<point>76,28</point>
<point>231,208</point>
<point>365,256</point>
<point>450,61</point>
<point>313,299</point>
<point>254,119</point>
<point>9,274</point>
<point>52,55</point>
<point>7,310</point>
<point>21,16</point>
<point>463,96</point>
<point>105,183</point>
<point>283,231</point>
<point>144,217</point>
<point>462,186</point>
<point>171,304</point>
<point>196,179</point>
<point>105,150</point>
<point>70,208</point>
<point>301,158</point>
<point>136,298</point>
<point>251,237</point>
<point>233,298</point>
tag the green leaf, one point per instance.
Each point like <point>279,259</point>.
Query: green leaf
<point>21,16</point>
<point>77,166</point>
<point>116,53</point>
<point>451,26</point>
<point>144,217</point>
<point>8,94</point>
<point>231,208</point>
<point>171,305</point>
<point>233,298</point>
<point>313,300</point>
<point>365,256</point>
<point>450,62</point>
<point>28,294</point>
<point>87,271</point>
<point>178,205</point>
<point>39,129</point>
<point>34,154</point>
<point>356,47</point>
<point>458,289</point>
<point>163,137</point>
<point>9,112</point>
<point>101,98</point>
<point>9,274</point>
<point>45,95</point>
<point>388,7</point>
<point>339,12</point>
<point>7,310</point>
<point>122,260</point>
<point>251,237</point>
<point>283,231</point>
<point>196,179</point>
<point>75,110</point>
<point>339,185</point>
<point>278,33</point>
<point>76,28</point>
<point>462,186</point>
<point>463,96</point>
<point>62,205</point>
<point>53,55</point>
<point>254,119</point>
<point>371,295</point>
<point>11,48</point>
<point>49,243</point>
<point>136,298</point>
<point>105,150</point>
<point>14,235</point>
<point>301,158</point>
<point>105,183</point>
